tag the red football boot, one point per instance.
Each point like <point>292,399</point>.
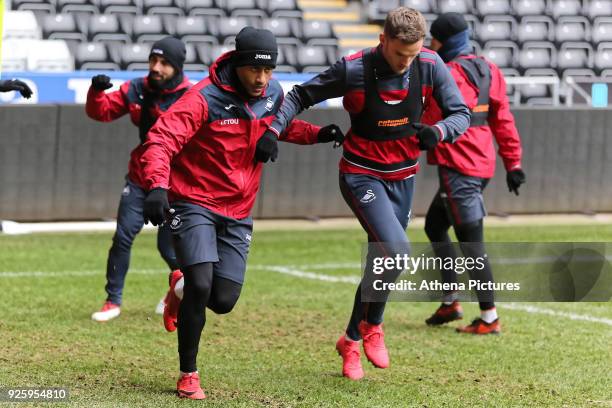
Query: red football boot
<point>188,386</point>
<point>351,358</point>
<point>374,344</point>
<point>446,314</point>
<point>479,326</point>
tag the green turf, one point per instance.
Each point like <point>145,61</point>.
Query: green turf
<point>277,347</point>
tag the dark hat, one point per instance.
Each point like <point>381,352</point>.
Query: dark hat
<point>447,25</point>
<point>172,49</point>
<point>255,47</point>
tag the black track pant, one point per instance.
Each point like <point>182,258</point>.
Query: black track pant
<point>202,290</point>
<point>470,236</point>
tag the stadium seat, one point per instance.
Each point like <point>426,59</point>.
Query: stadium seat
<point>537,54</point>
<point>192,60</point>
<point>119,7</point>
<point>316,29</point>
<point>193,29</point>
<point>497,28</point>
<point>575,55</point>
<point>424,6</point>
<point>537,90</point>
<point>378,9</point>
<point>254,18</point>
<point>535,28</point>
<point>216,52</point>
<point>233,5</point>
<point>504,52</point>
<point>147,28</point>
<point>94,56</point>
<point>602,30</point>
<point>50,56</point>
<point>79,7</point>
<point>603,57</point>
<point>510,73</point>
<point>560,8</point>
<point>104,24</point>
<point>21,24</point>
<point>281,27</point>
<point>476,48</point>
<point>572,29</point>
<point>313,59</point>
<point>63,27</point>
<point>599,8</point>
<point>473,25</point>
<point>230,26</point>
<point>500,57</point>
<point>15,54</point>
<point>190,5</point>
<point>272,6</point>
<point>40,10</point>
<point>489,7</point>
<point>529,7</point>
<point>135,57</point>
<point>457,6</point>
<point>16,4</point>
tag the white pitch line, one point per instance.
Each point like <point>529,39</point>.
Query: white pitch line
<point>308,275</point>
<point>298,273</point>
<point>47,274</point>
<point>551,312</point>
<point>511,306</point>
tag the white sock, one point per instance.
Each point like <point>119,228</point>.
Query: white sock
<point>488,316</point>
<point>182,373</point>
<point>449,298</point>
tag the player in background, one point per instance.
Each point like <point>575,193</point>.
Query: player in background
<point>385,90</point>
<point>211,138</point>
<point>8,85</point>
<point>144,99</point>
<point>466,166</point>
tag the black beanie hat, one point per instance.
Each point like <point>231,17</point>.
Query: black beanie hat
<point>172,49</point>
<point>447,25</point>
<point>255,47</point>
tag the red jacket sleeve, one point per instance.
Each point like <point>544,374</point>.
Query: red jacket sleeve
<point>172,130</point>
<point>502,122</point>
<point>106,107</point>
<point>300,132</point>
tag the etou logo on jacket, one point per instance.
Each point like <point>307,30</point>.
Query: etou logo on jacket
<point>230,122</point>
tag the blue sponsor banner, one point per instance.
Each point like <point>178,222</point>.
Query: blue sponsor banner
<point>72,87</point>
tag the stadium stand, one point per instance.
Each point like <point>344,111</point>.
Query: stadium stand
<point>567,37</point>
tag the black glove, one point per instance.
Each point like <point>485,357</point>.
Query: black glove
<point>16,85</point>
<point>156,206</point>
<point>267,147</point>
<point>515,178</point>
<point>331,133</point>
<point>427,135</point>
<point>101,82</point>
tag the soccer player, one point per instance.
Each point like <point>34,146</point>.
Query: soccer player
<point>8,85</point>
<point>211,138</point>
<point>466,166</point>
<point>144,99</point>
<point>385,90</point>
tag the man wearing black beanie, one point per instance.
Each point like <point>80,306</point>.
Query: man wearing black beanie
<point>145,99</point>
<point>466,166</point>
<point>211,137</point>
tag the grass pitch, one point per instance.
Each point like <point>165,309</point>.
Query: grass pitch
<point>277,347</point>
